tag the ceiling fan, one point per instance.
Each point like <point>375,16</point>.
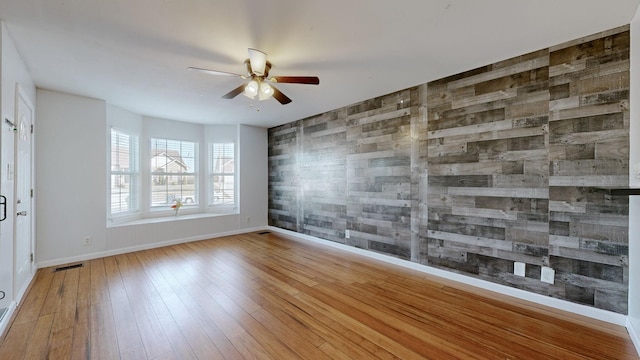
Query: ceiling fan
<point>258,71</point>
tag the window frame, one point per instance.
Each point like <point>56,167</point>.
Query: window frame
<point>133,173</point>
<point>143,133</point>
<point>225,207</point>
<point>166,207</point>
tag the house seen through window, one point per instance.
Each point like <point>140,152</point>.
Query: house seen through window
<point>173,172</point>
<point>222,173</point>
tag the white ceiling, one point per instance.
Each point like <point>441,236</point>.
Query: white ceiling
<point>134,53</point>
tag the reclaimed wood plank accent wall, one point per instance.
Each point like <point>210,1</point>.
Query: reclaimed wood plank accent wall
<point>379,173</point>
<point>588,151</point>
<point>488,193</point>
<point>323,176</point>
<point>284,184</point>
<point>470,173</point>
<point>351,169</point>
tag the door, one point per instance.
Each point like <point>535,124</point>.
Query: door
<point>6,215</point>
<point>23,196</point>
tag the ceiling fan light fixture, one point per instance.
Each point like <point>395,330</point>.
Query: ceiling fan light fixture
<point>266,91</point>
<point>251,90</point>
<point>258,68</point>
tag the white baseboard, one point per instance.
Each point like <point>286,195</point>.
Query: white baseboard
<point>599,314</point>
<point>119,251</point>
<point>8,316</point>
<point>6,320</point>
<point>633,327</point>
<point>22,292</point>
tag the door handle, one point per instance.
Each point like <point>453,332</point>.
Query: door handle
<point>22,213</point>
<point>3,204</point>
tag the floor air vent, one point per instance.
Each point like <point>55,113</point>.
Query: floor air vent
<point>68,267</point>
<point>264,232</point>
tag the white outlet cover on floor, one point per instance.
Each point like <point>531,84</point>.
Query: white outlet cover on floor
<point>548,275</point>
<point>519,268</point>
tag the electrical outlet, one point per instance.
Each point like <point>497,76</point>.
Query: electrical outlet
<point>248,219</point>
<point>87,240</point>
<point>519,268</point>
<point>347,234</point>
<point>547,275</point>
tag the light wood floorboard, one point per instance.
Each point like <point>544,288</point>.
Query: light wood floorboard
<point>261,296</point>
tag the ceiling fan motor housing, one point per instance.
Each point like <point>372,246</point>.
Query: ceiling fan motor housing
<point>267,67</point>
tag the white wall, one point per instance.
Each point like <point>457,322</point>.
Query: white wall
<point>634,158</point>
<point>634,271</point>
<point>634,182</point>
<point>253,176</point>
<point>122,119</point>
<point>77,125</point>
<point>71,175</point>
<point>12,71</point>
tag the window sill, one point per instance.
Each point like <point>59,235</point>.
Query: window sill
<point>162,219</point>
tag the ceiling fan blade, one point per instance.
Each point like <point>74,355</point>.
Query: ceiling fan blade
<point>282,98</point>
<point>258,61</point>
<point>308,80</point>
<point>235,92</point>
<point>216,72</point>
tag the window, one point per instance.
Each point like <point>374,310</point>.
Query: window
<point>124,173</point>
<point>149,174</point>
<point>222,174</point>
<point>173,172</point>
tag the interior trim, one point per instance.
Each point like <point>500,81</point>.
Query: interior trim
<point>101,254</point>
<point>634,332</point>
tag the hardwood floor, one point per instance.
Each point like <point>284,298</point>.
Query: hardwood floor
<point>256,296</point>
